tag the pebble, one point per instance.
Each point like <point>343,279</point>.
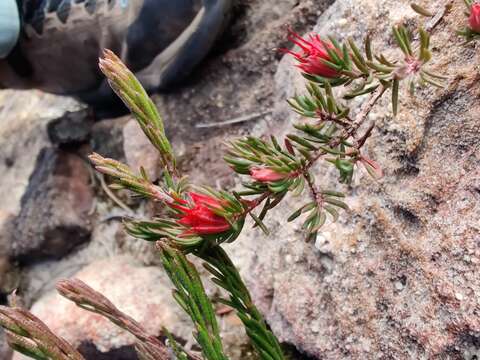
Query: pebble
<point>398,285</point>
<point>288,259</point>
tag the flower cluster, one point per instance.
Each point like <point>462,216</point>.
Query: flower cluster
<point>315,55</point>
<point>334,64</point>
<point>474,19</point>
<point>472,30</point>
<point>195,220</point>
<point>199,216</point>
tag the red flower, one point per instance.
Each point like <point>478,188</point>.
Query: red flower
<point>313,52</point>
<point>266,174</point>
<point>200,218</point>
<point>474,19</point>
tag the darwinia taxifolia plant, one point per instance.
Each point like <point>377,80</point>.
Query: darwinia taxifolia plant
<point>197,221</point>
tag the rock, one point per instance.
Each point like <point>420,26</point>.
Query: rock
<point>54,214</point>
<point>143,293</point>
<point>7,279</point>
<point>71,129</point>
<point>5,245</point>
<point>139,152</point>
<point>89,351</point>
<point>106,240</point>
<point>5,351</point>
<point>397,277</point>
<point>23,133</point>
<point>107,138</point>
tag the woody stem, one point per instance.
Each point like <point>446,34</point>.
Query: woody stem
<point>315,192</point>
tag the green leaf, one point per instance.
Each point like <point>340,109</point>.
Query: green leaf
<point>332,65</point>
<point>380,68</point>
<point>360,92</point>
<point>275,143</point>
<point>36,354</point>
<point>334,56</point>
<point>293,102</point>
<point>424,53</point>
<point>337,203</point>
<point>441,77</point>
<point>406,38</point>
<point>317,93</point>
<point>298,187</point>
<point>357,57</point>
<point>368,48</point>
<point>331,106</point>
<point>400,40</point>
<point>259,223</point>
<point>333,193</point>
<point>335,42</point>
<point>343,113</point>
<point>384,61</point>
<point>295,214</point>
<point>320,221</point>
<point>304,209</point>
<point>301,141</point>
<point>265,209</point>
<point>432,81</point>
<point>420,10</point>
<point>332,212</point>
<point>395,88</point>
<point>331,151</point>
<point>346,58</point>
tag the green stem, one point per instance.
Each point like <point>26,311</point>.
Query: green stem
<point>191,296</point>
<point>227,276</point>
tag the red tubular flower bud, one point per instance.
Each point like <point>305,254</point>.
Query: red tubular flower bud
<point>266,175</point>
<point>200,218</point>
<point>313,51</point>
<point>474,20</point>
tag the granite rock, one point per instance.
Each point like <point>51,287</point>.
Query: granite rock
<point>139,291</point>
<point>23,134</point>
<point>54,213</point>
<point>71,129</point>
<point>107,137</point>
<point>139,152</point>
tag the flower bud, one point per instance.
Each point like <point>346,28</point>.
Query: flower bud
<point>266,174</point>
<point>474,20</point>
<point>312,55</point>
